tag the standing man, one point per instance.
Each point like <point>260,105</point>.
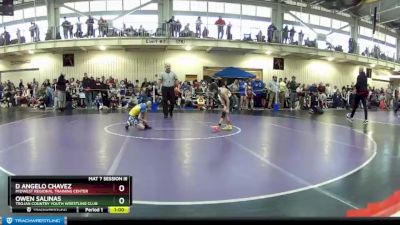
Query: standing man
<point>293,92</point>
<point>220,24</point>
<point>273,89</point>
<point>65,25</point>
<point>168,80</point>
<point>361,89</point>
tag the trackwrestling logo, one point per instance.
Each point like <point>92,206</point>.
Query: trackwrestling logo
<point>9,220</point>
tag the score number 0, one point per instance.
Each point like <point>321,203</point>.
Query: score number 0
<point>121,200</point>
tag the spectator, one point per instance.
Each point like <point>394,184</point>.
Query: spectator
<point>198,26</point>
<point>322,95</point>
<point>61,95</point>
<point>301,36</point>
<point>258,88</point>
<point>186,31</point>
<point>285,32</point>
<point>293,92</point>
<point>90,30</point>
<point>389,96</point>
<point>21,84</point>
<point>259,36</point>
<point>32,31</point>
<point>282,92</point>
<point>273,89</point>
<point>178,27</point>
<point>18,35</point>
<point>66,26</point>
<point>7,37</point>
<point>86,85</point>
<point>220,24</point>
<point>172,24</point>
<point>229,31</point>
<point>301,95</point>
<point>79,32</point>
<point>205,32</point>
<point>102,25</point>
<point>291,34</point>
<point>270,32</point>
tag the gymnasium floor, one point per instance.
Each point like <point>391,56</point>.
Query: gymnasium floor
<point>272,165</point>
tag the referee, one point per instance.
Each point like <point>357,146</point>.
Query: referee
<point>168,81</point>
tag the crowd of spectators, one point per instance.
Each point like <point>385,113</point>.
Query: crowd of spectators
<point>101,92</point>
<point>175,28</point>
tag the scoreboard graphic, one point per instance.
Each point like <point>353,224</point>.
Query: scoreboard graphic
<point>72,194</point>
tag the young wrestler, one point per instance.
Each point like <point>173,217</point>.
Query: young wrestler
<point>224,94</point>
<point>138,116</point>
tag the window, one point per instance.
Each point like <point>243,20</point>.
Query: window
<point>288,17</point>
<point>64,10</point>
<point>217,7</point>
<point>379,36</point>
<point>249,10</point>
<point>18,15</point>
<point>335,24</point>
<point>29,13</point>
<point>365,31</point>
<point>324,21</point>
<point>181,5</point>
<point>391,40</point>
<point>82,6</point>
<point>347,29</point>
<point>314,19</point>
<point>41,11</point>
<point>7,19</point>
<point>232,8</point>
<point>70,4</point>
<point>253,27</point>
<point>130,4</point>
<point>343,24</point>
<point>152,6</point>
<point>198,6</point>
<point>263,11</point>
<point>304,17</point>
<point>98,6</point>
<point>114,5</point>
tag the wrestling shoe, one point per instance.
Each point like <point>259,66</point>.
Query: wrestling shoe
<point>348,117</point>
<point>227,128</point>
<point>365,122</point>
<point>147,127</point>
<point>127,126</point>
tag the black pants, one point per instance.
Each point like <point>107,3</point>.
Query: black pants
<point>356,102</point>
<point>398,107</point>
<point>168,94</point>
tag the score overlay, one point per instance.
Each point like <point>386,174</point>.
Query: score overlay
<point>70,194</point>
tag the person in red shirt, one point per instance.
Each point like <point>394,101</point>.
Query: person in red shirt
<point>220,23</point>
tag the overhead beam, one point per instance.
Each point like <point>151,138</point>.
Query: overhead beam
<point>74,10</point>
<point>388,21</point>
<point>134,10</point>
<point>389,9</point>
<point>302,22</point>
<point>341,28</point>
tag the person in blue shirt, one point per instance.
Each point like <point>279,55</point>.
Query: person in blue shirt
<point>258,88</point>
<point>242,91</point>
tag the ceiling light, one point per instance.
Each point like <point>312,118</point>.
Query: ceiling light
<point>330,59</point>
<point>188,48</point>
<point>373,65</point>
<point>31,52</point>
<point>268,52</point>
<point>102,48</point>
